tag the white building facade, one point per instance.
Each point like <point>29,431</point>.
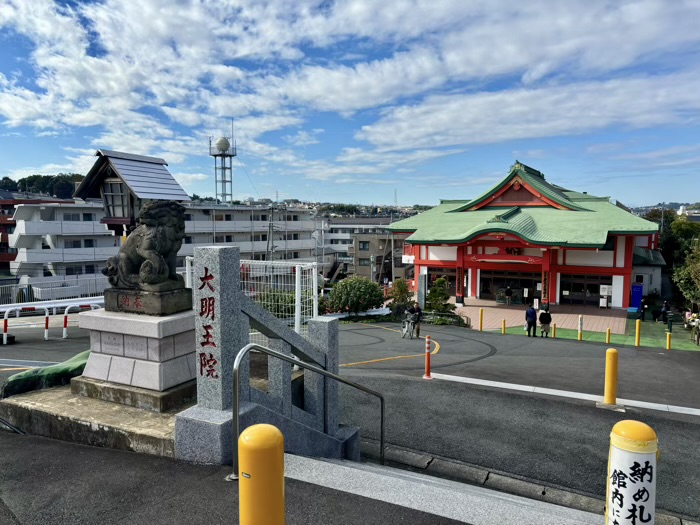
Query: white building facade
<point>69,240</point>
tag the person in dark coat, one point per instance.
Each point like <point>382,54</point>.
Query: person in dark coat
<point>545,321</point>
<point>643,309</point>
<point>509,295</point>
<point>531,321</point>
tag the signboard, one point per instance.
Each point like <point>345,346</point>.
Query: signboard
<point>605,289</point>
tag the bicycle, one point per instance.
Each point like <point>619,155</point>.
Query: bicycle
<point>408,325</point>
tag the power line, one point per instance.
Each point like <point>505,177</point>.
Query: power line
<point>248,175</point>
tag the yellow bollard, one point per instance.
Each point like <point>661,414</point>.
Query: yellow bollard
<point>610,395</point>
<point>607,337</point>
<point>554,330</point>
<point>668,341</point>
<point>631,480</point>
<point>637,335</point>
<point>261,482</point>
<point>481,319</point>
<point>503,327</point>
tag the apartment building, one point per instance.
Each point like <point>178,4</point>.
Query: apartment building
<point>54,239</point>
<point>378,256</point>
<point>68,238</point>
<point>261,232</point>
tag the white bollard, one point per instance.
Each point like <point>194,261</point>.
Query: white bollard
<point>631,483</point>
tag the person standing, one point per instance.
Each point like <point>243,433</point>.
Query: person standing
<point>531,320</point>
<point>509,295</point>
<point>418,312</point>
<point>643,309</point>
<point>545,321</point>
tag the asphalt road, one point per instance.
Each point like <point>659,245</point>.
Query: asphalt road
<point>555,440</point>
<point>562,442</point>
<point>45,481</point>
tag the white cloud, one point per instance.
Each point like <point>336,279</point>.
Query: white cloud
<point>415,82</point>
<point>304,138</point>
<point>187,179</point>
<point>488,117</point>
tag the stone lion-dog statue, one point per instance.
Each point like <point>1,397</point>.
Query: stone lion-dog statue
<point>147,260</point>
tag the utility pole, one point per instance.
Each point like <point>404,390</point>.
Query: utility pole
<point>392,244</point>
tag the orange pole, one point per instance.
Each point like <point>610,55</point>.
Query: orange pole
<point>427,358</point>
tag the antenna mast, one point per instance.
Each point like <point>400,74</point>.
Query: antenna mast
<point>223,150</point>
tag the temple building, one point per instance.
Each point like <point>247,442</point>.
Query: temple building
<point>541,240</point>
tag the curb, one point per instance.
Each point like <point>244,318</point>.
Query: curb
<point>441,467</point>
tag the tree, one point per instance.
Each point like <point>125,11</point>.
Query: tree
<point>439,296</point>
<point>687,276</point>
<point>8,184</point>
<point>355,295</point>
<point>401,296</point>
<point>62,187</point>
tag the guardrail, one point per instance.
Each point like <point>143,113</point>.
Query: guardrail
<point>47,306</point>
<point>289,359</point>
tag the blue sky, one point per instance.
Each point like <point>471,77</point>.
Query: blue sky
<point>359,101</point>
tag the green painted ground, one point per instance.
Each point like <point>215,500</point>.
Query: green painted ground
<point>653,335</point>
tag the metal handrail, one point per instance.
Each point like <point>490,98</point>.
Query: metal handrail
<point>236,398</point>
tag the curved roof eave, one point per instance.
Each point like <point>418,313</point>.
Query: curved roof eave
<point>472,234</point>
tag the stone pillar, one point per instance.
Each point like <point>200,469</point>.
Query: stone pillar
<point>323,334</point>
<point>204,433</point>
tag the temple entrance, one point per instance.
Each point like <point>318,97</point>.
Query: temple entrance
<point>582,289</point>
<point>524,286</point>
<point>449,273</point>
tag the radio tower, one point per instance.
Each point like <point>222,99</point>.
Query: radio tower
<point>223,152</point>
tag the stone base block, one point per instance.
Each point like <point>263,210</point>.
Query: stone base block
<point>148,303</point>
<point>135,397</point>
<point>138,373</point>
<point>206,436</point>
<point>203,435</point>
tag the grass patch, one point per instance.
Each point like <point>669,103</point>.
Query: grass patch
<point>653,335</point>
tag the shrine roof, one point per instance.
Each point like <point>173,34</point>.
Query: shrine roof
<point>578,220</point>
<point>146,177</point>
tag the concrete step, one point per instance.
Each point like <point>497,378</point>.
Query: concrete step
<point>59,414</point>
<point>449,499</point>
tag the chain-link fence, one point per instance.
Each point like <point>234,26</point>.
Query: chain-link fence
<point>287,289</point>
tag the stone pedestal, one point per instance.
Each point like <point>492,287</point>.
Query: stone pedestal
<point>141,351</point>
<point>148,303</point>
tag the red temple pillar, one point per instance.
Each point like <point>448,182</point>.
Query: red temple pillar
<point>459,285</point>
<point>627,275</point>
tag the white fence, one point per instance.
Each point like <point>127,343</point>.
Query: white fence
<point>287,289</point>
<point>53,290</point>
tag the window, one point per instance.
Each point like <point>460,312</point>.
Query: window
<point>116,198</point>
<point>188,216</point>
<point>364,245</point>
<point>73,244</point>
<point>188,239</point>
<point>89,243</point>
<point>639,278</point>
<point>90,268</point>
<point>88,217</point>
<point>219,238</point>
<point>229,238</point>
<point>74,270</point>
<point>364,262</point>
<point>71,216</point>
<point>296,255</point>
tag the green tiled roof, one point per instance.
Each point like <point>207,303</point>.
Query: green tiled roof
<point>587,223</point>
<point>535,179</point>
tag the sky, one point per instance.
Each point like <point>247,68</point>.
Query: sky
<point>360,101</point>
